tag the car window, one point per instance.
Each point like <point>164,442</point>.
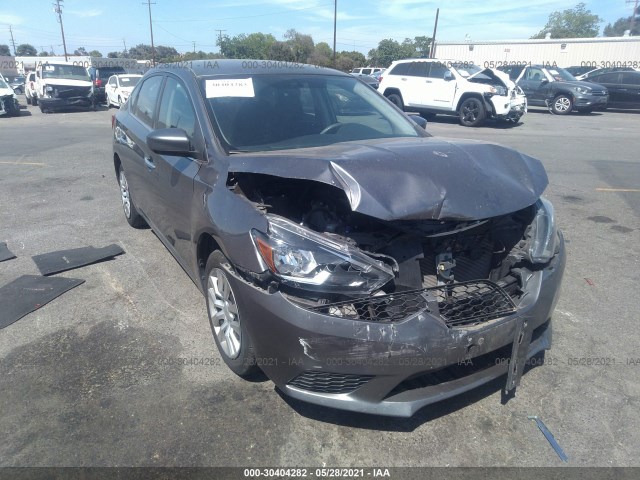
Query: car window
<point>176,110</point>
<point>513,71</point>
<point>437,70</point>
<point>274,112</point>
<point>112,81</point>
<point>145,106</point>
<point>401,69</point>
<point>419,69</point>
<point>630,79</point>
<point>535,74</point>
<point>606,78</point>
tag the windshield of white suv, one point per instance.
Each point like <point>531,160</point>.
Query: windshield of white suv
<point>274,112</point>
<point>70,72</point>
<point>465,69</point>
<point>560,74</point>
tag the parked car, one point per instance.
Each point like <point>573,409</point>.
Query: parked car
<point>99,77</point>
<point>453,88</point>
<point>368,79</point>
<point>358,261</point>
<point>9,105</point>
<point>62,85</point>
<point>30,91</point>
<point>16,82</point>
<point>367,70</point>
<point>599,71</point>
<point>119,87</point>
<point>623,87</point>
<point>557,89</point>
<point>578,70</point>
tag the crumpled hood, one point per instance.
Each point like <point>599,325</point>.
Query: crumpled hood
<point>411,179</point>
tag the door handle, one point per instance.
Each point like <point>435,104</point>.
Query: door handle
<point>427,81</point>
<point>148,161</point>
<point>403,79</point>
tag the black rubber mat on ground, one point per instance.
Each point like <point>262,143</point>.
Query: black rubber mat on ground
<point>5,253</point>
<point>30,292</point>
<point>63,260</point>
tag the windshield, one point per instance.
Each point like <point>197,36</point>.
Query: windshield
<point>274,112</point>
<point>561,75</point>
<point>465,69</point>
<point>71,72</point>
<point>129,81</point>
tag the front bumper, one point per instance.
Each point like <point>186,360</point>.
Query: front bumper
<point>56,103</point>
<point>388,368</point>
<point>592,101</point>
<point>509,109</point>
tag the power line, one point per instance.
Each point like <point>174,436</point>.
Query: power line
<point>58,9</point>
<point>246,16</point>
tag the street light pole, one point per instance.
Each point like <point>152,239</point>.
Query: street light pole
<point>58,9</point>
<point>153,48</point>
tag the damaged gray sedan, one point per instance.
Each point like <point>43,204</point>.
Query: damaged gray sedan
<point>359,262</point>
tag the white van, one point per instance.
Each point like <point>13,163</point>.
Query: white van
<point>61,85</point>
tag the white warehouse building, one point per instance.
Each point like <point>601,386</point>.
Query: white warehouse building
<point>563,52</point>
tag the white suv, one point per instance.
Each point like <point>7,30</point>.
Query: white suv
<point>456,88</point>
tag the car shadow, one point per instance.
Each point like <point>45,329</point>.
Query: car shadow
<point>396,424</point>
<point>453,120</point>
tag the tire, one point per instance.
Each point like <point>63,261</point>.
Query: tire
<point>472,112</point>
<point>130,212</point>
<point>396,99</point>
<point>43,110</point>
<point>120,102</point>
<point>562,104</point>
<point>225,318</point>
<point>34,101</point>
<point>28,100</point>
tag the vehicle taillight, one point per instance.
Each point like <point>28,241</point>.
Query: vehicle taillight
<point>98,82</point>
<point>380,79</point>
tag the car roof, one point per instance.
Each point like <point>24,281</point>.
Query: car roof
<point>203,68</point>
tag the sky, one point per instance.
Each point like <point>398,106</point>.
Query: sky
<point>106,25</point>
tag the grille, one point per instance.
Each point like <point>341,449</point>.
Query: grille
<point>326,382</point>
<point>598,92</point>
<point>70,92</point>
<point>458,304</point>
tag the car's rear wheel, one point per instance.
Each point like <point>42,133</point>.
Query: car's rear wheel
<point>130,212</point>
<point>28,99</point>
<point>472,112</point>
<point>227,323</point>
<point>396,99</point>
<point>34,101</point>
<point>562,105</point>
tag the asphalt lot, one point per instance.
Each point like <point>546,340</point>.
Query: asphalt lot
<point>92,379</point>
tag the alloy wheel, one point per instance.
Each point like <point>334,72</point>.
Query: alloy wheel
<point>124,193</point>
<point>223,311</point>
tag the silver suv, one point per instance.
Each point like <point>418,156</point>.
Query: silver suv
<point>456,88</point>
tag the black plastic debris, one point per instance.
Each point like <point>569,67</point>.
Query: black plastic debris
<point>63,260</point>
<point>5,253</point>
<point>30,292</point>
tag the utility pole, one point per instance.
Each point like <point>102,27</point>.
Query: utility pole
<point>58,9</point>
<point>335,18</point>
<point>53,54</point>
<point>635,12</point>
<point>194,46</point>
<point>13,42</point>
<point>433,40</point>
<point>153,48</point>
<point>125,51</point>
<point>220,38</point>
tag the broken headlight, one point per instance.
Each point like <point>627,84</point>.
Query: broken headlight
<point>544,235</point>
<point>305,259</point>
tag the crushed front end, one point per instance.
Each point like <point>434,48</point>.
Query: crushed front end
<point>386,317</point>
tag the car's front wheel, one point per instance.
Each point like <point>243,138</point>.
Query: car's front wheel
<point>562,104</point>
<point>34,101</point>
<point>227,323</point>
<point>396,100</point>
<point>472,112</point>
<point>120,102</point>
<point>130,212</point>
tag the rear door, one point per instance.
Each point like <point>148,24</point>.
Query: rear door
<point>170,177</point>
<point>630,90</point>
<point>441,87</point>
<point>414,84</point>
<point>534,86</point>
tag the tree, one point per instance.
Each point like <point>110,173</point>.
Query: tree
<point>322,55</point>
<point>113,55</point>
<point>43,53</point>
<point>620,26</point>
<point>577,22</point>
<point>255,46</point>
<point>26,50</point>
<point>423,46</point>
<point>301,45</point>
<point>95,53</point>
<point>281,51</point>
<point>389,50</point>
<point>4,51</point>
<point>80,51</point>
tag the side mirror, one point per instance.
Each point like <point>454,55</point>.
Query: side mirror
<point>448,76</point>
<point>421,122</point>
<point>170,140</point>
<point>544,82</point>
